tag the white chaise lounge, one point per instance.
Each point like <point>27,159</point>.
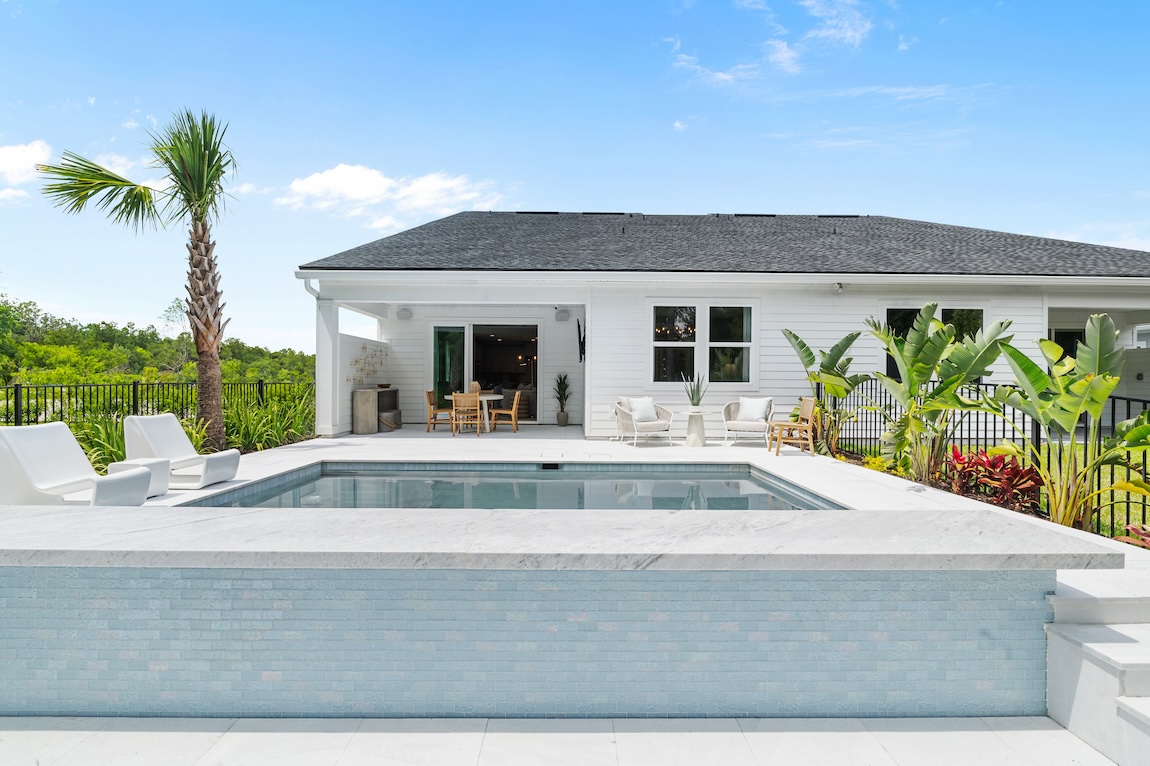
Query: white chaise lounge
<point>41,464</point>
<point>162,436</point>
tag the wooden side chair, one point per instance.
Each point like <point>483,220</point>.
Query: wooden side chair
<point>800,432</point>
<point>465,411</point>
<point>433,413</point>
<point>511,414</point>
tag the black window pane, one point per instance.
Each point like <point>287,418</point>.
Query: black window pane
<point>675,324</point>
<point>966,321</point>
<point>673,363</point>
<point>729,365</point>
<point>730,324</point>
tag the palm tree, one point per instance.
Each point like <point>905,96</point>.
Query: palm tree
<point>191,153</point>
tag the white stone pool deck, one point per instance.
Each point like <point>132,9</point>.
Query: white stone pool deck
<point>902,516</point>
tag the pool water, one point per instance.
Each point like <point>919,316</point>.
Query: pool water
<point>528,486</point>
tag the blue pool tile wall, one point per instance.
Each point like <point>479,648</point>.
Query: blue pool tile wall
<point>220,642</point>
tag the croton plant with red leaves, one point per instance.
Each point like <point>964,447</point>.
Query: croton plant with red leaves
<point>998,479</point>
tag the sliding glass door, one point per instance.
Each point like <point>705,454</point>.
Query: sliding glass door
<point>449,366</point>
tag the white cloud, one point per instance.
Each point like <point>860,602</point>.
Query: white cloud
<point>250,188</point>
<point>898,92</point>
<point>11,195</point>
<point>91,100</point>
<point>751,5</point>
<point>679,125</point>
<point>119,164</point>
<point>150,119</point>
<point>783,56</point>
<point>904,44</point>
<point>389,203</point>
<point>675,42</point>
<point>18,161</point>
<point>130,124</point>
<point>841,21</point>
<point>736,73</point>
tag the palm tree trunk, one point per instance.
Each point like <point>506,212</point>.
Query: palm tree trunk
<point>205,312</point>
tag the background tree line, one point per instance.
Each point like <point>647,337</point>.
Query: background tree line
<point>39,348</point>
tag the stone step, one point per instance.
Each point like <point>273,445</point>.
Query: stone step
<point>1089,667</point>
<point>1102,597</point>
<point>1134,731</point>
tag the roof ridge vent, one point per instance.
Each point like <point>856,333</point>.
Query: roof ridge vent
<point>833,215</point>
<point>755,215</point>
<point>537,212</point>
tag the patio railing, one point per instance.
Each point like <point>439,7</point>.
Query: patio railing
<point>976,430</point>
<point>28,404</point>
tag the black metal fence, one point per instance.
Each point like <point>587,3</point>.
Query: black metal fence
<point>27,404</point>
<point>973,431</point>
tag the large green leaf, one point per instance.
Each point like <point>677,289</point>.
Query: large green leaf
<point>831,359</point>
<point>972,356</point>
<point>77,181</point>
<point>802,350</point>
<point>921,330</point>
<point>924,364</point>
<point>1099,354</point>
<point>1028,375</point>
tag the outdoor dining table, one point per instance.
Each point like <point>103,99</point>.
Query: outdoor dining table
<point>483,400</point>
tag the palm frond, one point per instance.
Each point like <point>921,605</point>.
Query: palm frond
<point>77,181</point>
<point>191,151</point>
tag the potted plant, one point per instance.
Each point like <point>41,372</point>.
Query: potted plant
<point>695,389</point>
<point>562,392</point>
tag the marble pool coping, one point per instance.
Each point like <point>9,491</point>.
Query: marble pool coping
<point>889,523</point>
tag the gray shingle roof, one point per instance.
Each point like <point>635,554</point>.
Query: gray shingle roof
<point>801,244</point>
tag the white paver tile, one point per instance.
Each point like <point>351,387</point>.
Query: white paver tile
<point>282,742</point>
<point>145,742</point>
<point>1044,742</point>
<point>35,740</point>
<point>548,743</point>
<point>681,742</point>
<point>416,742</point>
<point>943,742</point>
<point>813,742</point>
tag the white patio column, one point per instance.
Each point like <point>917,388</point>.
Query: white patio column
<point>326,367</point>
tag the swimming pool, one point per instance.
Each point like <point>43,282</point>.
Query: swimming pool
<point>536,486</point>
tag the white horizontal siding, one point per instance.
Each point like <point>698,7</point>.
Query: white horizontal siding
<point>352,348</point>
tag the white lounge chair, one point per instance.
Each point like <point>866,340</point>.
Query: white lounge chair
<point>742,427</point>
<point>631,428</point>
<point>41,464</point>
<point>163,436</point>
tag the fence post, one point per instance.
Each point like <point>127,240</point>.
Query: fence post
<point>260,392</point>
<point>135,397</point>
<point>19,404</point>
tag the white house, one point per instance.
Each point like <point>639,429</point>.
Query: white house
<point>509,299</point>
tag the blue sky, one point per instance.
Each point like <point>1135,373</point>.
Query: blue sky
<point>352,120</point>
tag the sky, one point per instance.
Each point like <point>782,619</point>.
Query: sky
<point>350,121</point>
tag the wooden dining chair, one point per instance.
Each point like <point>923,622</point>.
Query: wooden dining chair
<point>800,432</point>
<point>465,411</point>
<point>434,411</point>
<point>511,414</point>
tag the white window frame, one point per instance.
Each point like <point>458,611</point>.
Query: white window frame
<point>702,343</point>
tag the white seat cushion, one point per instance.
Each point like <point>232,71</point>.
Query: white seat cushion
<point>643,409</point>
<point>753,409</point>
<point>650,426</point>
<point>755,426</point>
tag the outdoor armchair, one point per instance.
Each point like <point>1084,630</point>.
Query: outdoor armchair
<point>41,464</point>
<point>509,414</point>
<point>434,411</point>
<point>749,424</point>
<point>632,427</point>
<point>799,432</point>
<point>162,436</point>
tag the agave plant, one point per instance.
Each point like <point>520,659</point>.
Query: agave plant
<point>831,382</point>
<point>932,368</point>
<point>695,388</point>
